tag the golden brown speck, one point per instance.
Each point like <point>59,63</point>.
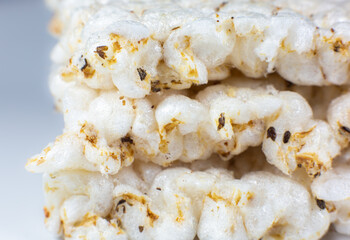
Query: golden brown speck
<point>90,133</point>
<point>87,70</point>
<point>170,126</point>
<point>46,213</point>
<point>193,73</point>
<point>152,216</point>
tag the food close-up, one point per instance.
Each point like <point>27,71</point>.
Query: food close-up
<point>199,120</point>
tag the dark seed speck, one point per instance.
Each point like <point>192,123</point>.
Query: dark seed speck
<point>321,204</point>
<point>221,121</point>
<point>142,73</point>
<point>346,129</point>
<point>121,202</point>
<point>127,140</point>
<point>271,133</point>
<point>85,65</point>
<point>286,137</point>
<point>101,51</point>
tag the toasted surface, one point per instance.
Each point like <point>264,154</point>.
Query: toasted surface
<point>178,203</point>
<point>176,44</point>
<point>199,120</point>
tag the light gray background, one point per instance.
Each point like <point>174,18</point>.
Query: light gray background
<point>28,121</point>
<point>27,118</point>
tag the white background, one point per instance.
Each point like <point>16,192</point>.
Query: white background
<point>27,118</point>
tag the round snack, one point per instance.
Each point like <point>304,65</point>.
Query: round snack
<point>176,44</point>
<point>110,130</point>
<point>177,203</point>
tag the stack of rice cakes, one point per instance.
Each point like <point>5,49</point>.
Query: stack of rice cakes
<point>199,119</point>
